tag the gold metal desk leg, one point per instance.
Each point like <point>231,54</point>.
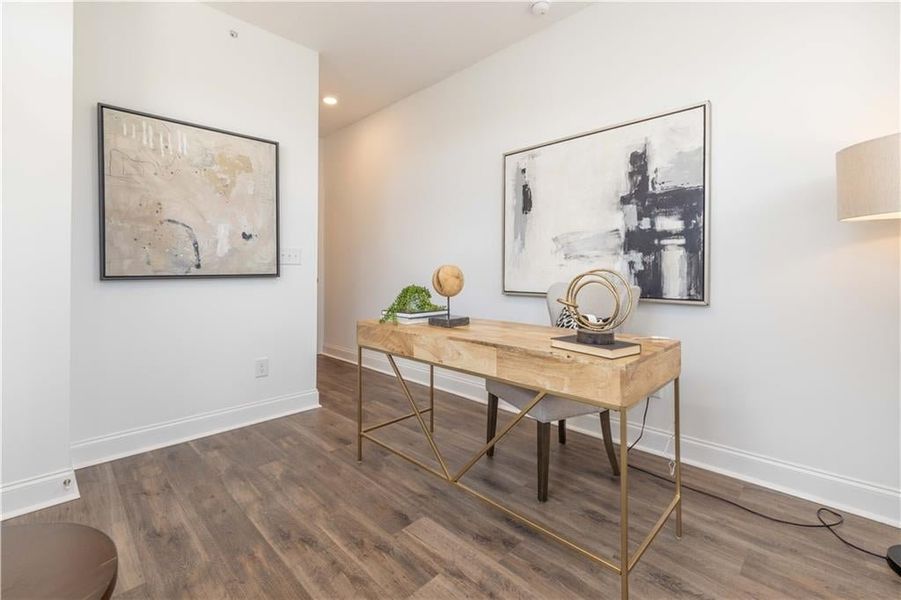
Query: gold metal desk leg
<point>418,413</point>
<point>359,403</point>
<point>678,458</point>
<point>626,562</point>
<point>432,398</point>
<point>624,503</point>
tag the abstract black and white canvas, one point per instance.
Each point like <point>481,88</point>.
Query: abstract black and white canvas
<point>632,197</point>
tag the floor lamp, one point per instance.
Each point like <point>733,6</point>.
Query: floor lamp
<point>867,180</point>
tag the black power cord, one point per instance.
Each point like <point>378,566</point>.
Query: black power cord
<point>644,418</point>
<point>823,523</point>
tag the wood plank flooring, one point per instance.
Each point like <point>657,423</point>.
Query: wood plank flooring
<point>283,510</point>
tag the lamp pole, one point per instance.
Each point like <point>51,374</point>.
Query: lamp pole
<point>868,186</point>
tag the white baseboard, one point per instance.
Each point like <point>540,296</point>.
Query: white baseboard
<point>35,493</point>
<point>112,446</point>
<point>870,500</point>
<point>879,503</point>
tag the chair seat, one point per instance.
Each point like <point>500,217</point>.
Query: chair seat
<point>551,408</point>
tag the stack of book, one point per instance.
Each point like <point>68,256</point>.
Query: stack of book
<point>618,349</point>
<point>411,318</point>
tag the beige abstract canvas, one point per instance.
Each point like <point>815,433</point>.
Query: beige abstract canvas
<point>180,200</point>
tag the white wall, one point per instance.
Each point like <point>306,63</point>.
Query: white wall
<point>158,361</point>
<point>320,257</point>
<point>37,202</point>
<point>791,375</point>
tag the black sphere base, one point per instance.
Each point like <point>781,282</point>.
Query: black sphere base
<point>893,556</point>
<point>595,338</point>
<point>449,321</point>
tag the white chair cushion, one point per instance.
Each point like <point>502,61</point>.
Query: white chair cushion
<point>551,408</point>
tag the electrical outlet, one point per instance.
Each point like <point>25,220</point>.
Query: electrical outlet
<point>289,256</point>
<point>261,367</point>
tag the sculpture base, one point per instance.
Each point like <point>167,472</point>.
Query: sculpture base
<point>595,338</point>
<point>449,321</point>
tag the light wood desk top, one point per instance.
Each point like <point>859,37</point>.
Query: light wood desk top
<point>521,354</point>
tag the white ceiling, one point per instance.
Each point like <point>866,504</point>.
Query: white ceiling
<point>375,53</point>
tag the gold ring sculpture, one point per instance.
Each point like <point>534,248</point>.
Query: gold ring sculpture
<point>613,282</point>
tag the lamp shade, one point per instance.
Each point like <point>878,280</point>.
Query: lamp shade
<point>868,180</point>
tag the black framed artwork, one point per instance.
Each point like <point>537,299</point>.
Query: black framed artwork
<point>181,200</point>
<point>633,197</point>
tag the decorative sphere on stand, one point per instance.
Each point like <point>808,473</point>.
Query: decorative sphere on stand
<point>448,282</point>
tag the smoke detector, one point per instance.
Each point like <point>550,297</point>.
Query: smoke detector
<point>540,8</point>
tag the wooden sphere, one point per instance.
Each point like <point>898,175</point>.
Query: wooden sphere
<point>448,280</point>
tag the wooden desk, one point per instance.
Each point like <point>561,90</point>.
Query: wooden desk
<point>522,355</point>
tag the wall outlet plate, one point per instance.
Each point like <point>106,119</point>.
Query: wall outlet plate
<point>289,256</point>
<point>261,367</point>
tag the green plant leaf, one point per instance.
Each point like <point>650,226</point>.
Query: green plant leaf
<point>413,298</point>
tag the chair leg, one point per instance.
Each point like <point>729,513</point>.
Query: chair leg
<point>492,421</point>
<point>544,458</point>
<point>561,431</point>
<point>608,441</point>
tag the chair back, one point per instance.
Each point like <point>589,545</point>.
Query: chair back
<point>593,299</point>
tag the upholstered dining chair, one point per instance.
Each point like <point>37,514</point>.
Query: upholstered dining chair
<point>554,408</point>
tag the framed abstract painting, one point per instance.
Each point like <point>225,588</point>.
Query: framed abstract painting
<point>632,197</point>
<point>179,200</point>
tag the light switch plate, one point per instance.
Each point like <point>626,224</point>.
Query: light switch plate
<point>289,256</point>
<point>261,367</point>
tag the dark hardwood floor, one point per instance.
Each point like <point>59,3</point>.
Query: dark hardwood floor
<point>283,510</point>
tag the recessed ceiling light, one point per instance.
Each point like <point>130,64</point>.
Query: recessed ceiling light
<point>330,100</point>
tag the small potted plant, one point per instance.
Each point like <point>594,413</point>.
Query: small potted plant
<point>411,300</point>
